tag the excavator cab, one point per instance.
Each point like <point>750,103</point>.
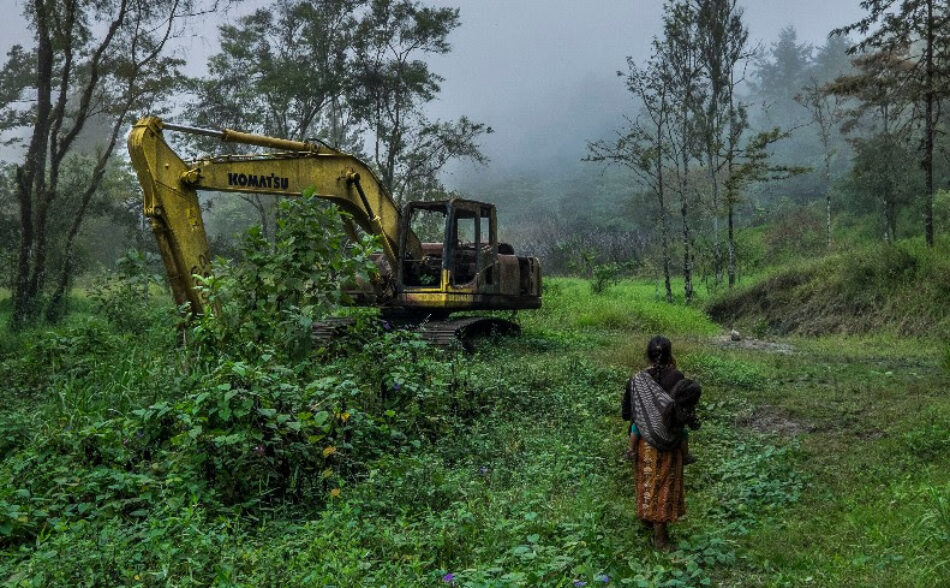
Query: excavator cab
<point>459,246</point>
<point>460,261</point>
<point>474,246</point>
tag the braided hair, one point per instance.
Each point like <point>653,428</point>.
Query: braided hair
<point>660,354</point>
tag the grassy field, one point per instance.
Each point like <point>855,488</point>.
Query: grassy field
<point>822,461</point>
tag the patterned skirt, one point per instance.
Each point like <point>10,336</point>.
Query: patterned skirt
<point>659,479</point>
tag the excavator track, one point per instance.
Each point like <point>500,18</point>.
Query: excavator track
<point>326,330</point>
<point>445,334</point>
<point>465,331</point>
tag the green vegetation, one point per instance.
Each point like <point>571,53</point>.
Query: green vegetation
<point>137,451</point>
<point>902,289</point>
<point>131,460</point>
<point>572,304</point>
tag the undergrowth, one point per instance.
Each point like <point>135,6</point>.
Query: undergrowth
<point>250,457</point>
<point>117,433</point>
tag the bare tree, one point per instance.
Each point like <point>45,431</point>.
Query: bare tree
<point>749,164</point>
<point>642,146</point>
<point>826,111</point>
<point>681,72</point>
<point>723,48</point>
<point>74,74</point>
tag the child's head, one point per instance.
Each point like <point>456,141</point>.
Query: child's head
<point>686,395</point>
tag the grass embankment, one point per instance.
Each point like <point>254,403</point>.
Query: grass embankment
<point>826,466</point>
<point>901,289</point>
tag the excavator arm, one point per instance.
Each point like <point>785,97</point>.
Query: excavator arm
<point>170,187</point>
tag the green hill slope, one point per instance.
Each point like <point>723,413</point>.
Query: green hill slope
<point>902,289</point>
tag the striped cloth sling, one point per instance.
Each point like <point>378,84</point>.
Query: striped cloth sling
<point>649,403</point>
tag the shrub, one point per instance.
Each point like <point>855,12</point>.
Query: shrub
<point>124,297</point>
<point>799,233</point>
<point>248,414</point>
<point>51,355</point>
<point>605,275</point>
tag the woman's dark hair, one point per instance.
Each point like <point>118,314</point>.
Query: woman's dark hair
<point>660,352</point>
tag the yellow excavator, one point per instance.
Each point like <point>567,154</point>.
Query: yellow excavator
<point>419,282</point>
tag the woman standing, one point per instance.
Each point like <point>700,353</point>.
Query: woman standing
<point>660,402</point>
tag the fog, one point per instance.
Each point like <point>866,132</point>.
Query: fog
<point>542,74</point>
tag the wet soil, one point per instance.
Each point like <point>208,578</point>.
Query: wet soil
<point>775,421</point>
<point>726,342</point>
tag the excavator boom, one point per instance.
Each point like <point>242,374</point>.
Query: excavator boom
<point>171,201</point>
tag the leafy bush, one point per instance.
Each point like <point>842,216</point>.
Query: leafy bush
<point>124,297</point>
<point>249,414</point>
<point>868,277</point>
<point>580,258</point>
<point>47,356</point>
<point>278,289</point>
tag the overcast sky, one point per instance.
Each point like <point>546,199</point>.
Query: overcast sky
<point>540,72</point>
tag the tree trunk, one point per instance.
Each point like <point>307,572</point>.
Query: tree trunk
<point>40,223</point>
<point>892,220</point>
<point>23,303</point>
<point>31,178</point>
<point>828,196</point>
<point>826,144</point>
<point>666,258</point>
<point>828,217</point>
<point>717,249</point>
<point>56,307</point>
<point>885,216</point>
<point>732,249</point>
<point>929,140</point>
<point>664,219</point>
<point>687,269</point>
<point>684,208</point>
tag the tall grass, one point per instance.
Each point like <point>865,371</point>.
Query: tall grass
<point>627,305</point>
